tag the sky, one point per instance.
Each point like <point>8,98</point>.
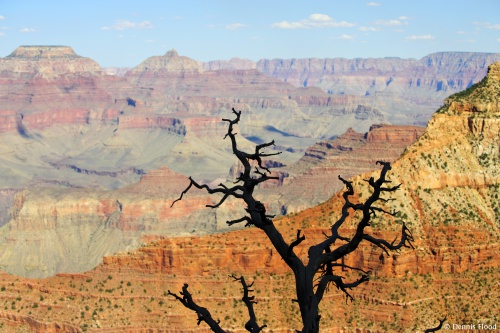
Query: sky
<point>124,33</point>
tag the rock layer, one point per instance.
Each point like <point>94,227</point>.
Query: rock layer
<point>455,259</point>
<point>313,179</point>
<point>423,83</point>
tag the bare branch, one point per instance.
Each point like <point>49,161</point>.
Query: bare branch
<point>203,313</point>
<point>378,209</point>
<point>347,204</point>
<point>350,267</point>
<point>224,189</point>
<point>251,325</point>
<point>243,219</point>
<point>339,283</point>
<point>296,242</point>
<point>406,239</point>
<point>390,189</point>
<point>368,209</point>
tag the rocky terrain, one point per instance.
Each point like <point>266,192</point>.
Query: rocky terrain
<point>448,199</point>
<point>76,138</point>
<point>53,230</point>
<point>406,90</point>
<point>313,179</point>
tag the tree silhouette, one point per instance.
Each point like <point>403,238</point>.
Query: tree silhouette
<point>313,278</point>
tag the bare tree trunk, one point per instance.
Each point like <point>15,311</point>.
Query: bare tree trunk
<point>311,280</point>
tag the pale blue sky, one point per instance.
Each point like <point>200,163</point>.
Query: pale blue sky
<point>124,33</point>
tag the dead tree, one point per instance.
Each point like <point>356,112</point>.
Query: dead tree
<point>313,278</point>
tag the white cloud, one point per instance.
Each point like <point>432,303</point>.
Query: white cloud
<point>373,4</point>
<point>125,24</point>
<point>235,26</point>
<point>27,30</point>
<point>389,23</point>
<point>370,28</point>
<point>498,39</point>
<point>320,18</point>
<point>2,34</point>
<point>149,41</point>
<point>348,37</point>
<point>313,21</point>
<point>403,18</point>
<point>461,32</point>
<point>420,37</point>
<point>2,17</point>
<point>488,25</point>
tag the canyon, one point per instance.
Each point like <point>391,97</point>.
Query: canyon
<point>53,230</point>
<point>448,198</point>
<point>84,153</point>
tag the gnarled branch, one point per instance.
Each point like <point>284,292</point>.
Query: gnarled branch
<point>251,325</point>
<point>406,241</point>
<point>203,314</point>
<point>223,189</point>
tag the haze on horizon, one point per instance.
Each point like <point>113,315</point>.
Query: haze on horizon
<point>124,33</point>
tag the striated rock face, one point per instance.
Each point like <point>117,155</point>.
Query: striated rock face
<point>16,323</point>
<point>413,87</point>
<point>70,230</point>
<point>39,215</point>
<point>455,259</point>
<point>52,85</point>
<point>43,52</point>
<point>128,123</point>
<point>313,179</point>
<point>398,135</point>
<point>179,84</point>
<point>450,185</point>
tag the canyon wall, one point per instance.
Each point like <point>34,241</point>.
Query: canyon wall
<point>448,199</point>
<point>72,134</point>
